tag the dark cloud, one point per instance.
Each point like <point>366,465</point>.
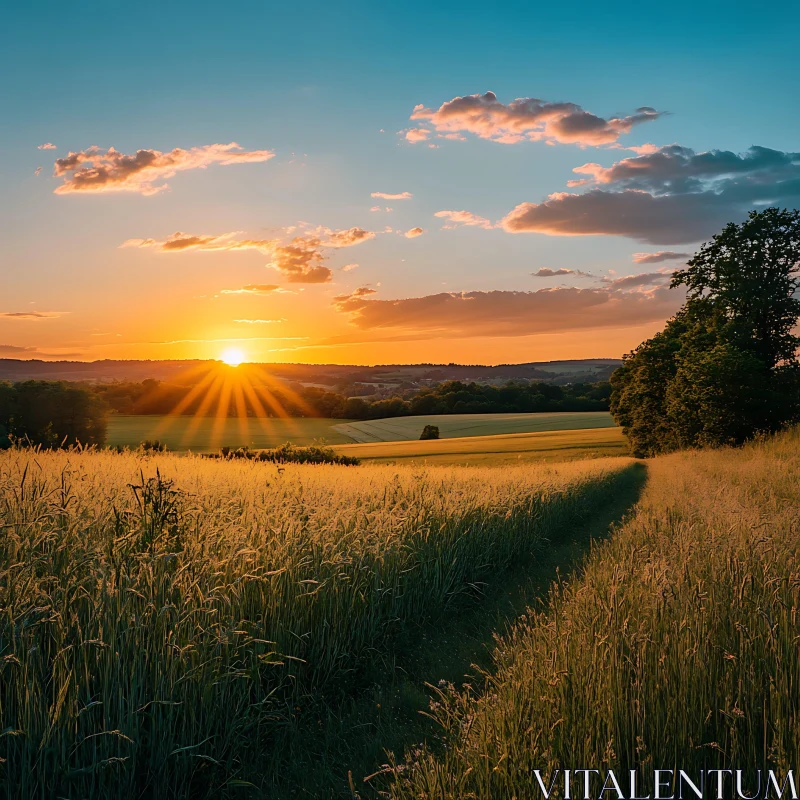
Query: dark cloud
<point>668,195</point>
<point>506,313</point>
<point>658,257</point>
<point>524,119</point>
<point>642,279</point>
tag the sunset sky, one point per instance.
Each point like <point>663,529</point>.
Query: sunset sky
<point>367,182</point>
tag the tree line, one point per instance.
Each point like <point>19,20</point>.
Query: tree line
<point>449,397</point>
<point>725,367</point>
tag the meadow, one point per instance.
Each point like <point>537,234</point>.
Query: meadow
<point>677,646</point>
<point>171,625</point>
<point>399,429</point>
<point>515,448</point>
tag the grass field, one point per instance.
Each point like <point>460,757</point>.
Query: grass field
<point>399,429</point>
<point>167,620</point>
<point>677,648</point>
<point>204,434</point>
<point>559,445</point>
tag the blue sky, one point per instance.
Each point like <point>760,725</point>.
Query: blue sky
<point>326,88</point>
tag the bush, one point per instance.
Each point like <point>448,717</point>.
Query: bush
<point>289,453</point>
<point>430,432</point>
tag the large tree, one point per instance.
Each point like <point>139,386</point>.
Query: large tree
<point>725,367</point>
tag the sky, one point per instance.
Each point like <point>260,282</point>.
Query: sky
<point>372,183</point>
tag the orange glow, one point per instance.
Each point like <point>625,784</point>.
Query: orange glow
<point>232,357</point>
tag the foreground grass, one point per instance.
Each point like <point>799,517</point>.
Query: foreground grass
<point>678,648</point>
<point>549,446</point>
<point>165,621</point>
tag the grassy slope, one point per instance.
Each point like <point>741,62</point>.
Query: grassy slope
<point>459,425</point>
<point>496,450</point>
<point>677,648</point>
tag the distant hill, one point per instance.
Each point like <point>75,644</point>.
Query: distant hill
<point>106,371</point>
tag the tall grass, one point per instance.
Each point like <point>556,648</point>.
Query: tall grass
<point>163,619</point>
<point>678,648</point>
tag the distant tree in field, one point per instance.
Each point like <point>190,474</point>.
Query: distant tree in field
<point>725,367</point>
<point>53,413</point>
<point>430,432</point>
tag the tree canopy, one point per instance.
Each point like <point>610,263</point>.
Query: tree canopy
<point>725,368</point>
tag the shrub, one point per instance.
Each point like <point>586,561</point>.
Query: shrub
<point>430,432</point>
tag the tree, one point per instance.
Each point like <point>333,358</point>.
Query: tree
<point>54,413</point>
<point>725,367</point>
<point>430,432</point>
<point>750,273</point>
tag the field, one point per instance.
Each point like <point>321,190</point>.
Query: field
<point>399,429</point>
<point>205,434</point>
<point>558,445</point>
<point>180,627</point>
<point>169,623</point>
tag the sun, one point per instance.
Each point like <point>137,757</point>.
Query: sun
<point>232,357</point>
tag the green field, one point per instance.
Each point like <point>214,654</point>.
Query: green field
<point>203,434</point>
<point>556,445</point>
<point>398,429</point>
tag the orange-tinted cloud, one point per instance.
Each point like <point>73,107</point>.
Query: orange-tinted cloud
<point>465,218</point>
<point>179,242</point>
<point>659,256</point>
<point>507,313</point>
<point>546,272</point>
<point>356,294</point>
<point>255,288</point>
<point>413,233</point>
<point>385,196</point>
<point>47,146</point>
<point>415,135</point>
<point>525,119</point>
<point>96,170</point>
<point>31,315</point>
<point>345,238</point>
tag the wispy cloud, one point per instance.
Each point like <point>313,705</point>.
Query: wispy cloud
<point>546,272</point>
<point>31,315</point>
<point>255,288</point>
<point>47,146</point>
<point>463,218</point>
<point>524,119</point>
<point>386,196</point>
<point>96,170</point>
<point>659,256</point>
<point>259,321</point>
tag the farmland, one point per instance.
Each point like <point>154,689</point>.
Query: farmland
<point>169,620</point>
<point>202,434</point>
<point>398,429</point>
<point>556,445</point>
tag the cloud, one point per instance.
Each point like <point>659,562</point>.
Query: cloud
<point>668,196</point>
<point>179,242</point>
<point>37,171</point>
<point>415,135</point>
<point>375,208</point>
<point>259,321</point>
<point>255,288</point>
<point>13,350</point>
<point>47,146</point>
<point>385,196</point>
<point>349,267</point>
<point>642,279</point>
<point>466,218</point>
<point>413,233</point>
<point>659,256</point>
<point>508,313</point>
<point>525,119</point>
<point>300,259</point>
<point>345,238</point>
<point>33,315</point>
<point>356,294</point>
<point>675,169</point>
<point>95,170</point>
<point>546,272</point>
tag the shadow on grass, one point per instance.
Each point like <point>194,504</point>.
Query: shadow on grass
<point>331,754</point>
